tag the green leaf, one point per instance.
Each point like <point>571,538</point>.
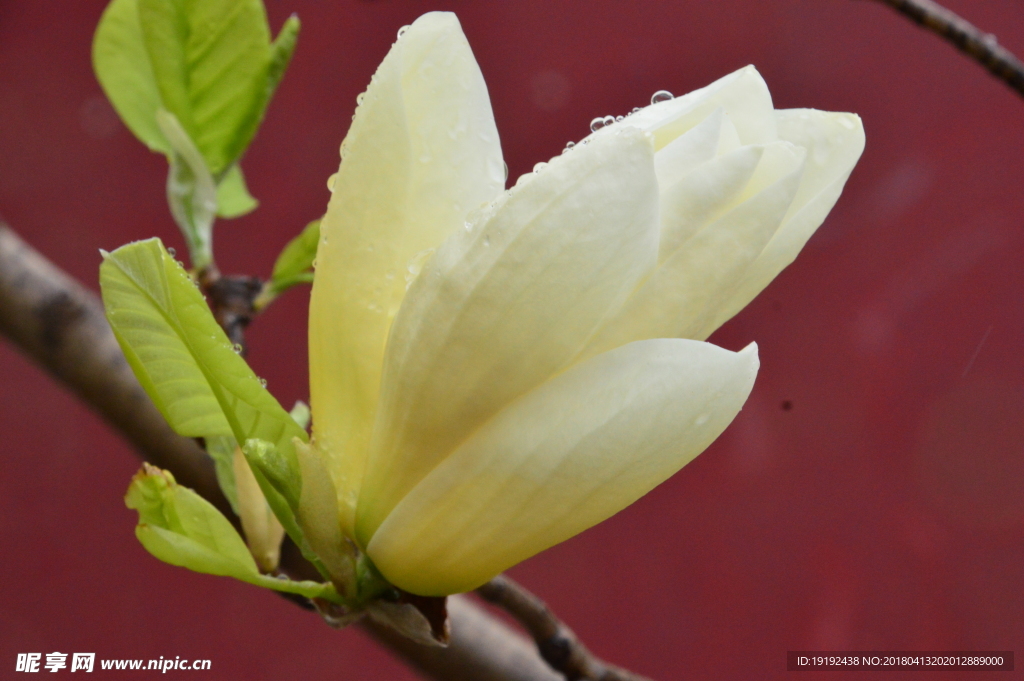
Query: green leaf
<point>221,449</point>
<point>122,66</point>
<point>296,259</point>
<point>215,69</point>
<point>180,354</point>
<point>184,360</point>
<point>191,192</point>
<point>179,527</point>
<point>233,197</point>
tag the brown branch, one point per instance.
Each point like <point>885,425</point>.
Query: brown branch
<point>980,46</point>
<point>61,325</point>
<point>556,642</point>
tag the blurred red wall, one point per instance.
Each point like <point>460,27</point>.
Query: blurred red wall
<point>883,509</point>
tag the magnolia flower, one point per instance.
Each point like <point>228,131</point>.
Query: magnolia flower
<point>492,372</point>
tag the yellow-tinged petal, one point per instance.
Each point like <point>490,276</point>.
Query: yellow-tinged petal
<point>690,285</point>
<point>263,531</point>
<point>560,459</point>
<point>503,306</point>
<point>834,143</point>
<point>422,151</point>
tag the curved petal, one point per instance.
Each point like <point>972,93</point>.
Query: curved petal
<point>422,151</point>
<point>690,284</point>
<point>506,303</point>
<point>834,143</point>
<point>560,459</point>
<point>742,94</point>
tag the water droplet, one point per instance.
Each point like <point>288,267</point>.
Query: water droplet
<point>171,252</point>
<point>263,382</point>
<point>330,182</point>
<point>402,31</point>
<point>661,96</point>
<point>314,263</point>
<point>619,118</point>
<point>506,171</point>
<point>597,124</point>
<point>415,265</point>
<point>237,348</point>
<point>539,167</point>
<point>468,225</point>
<point>359,98</point>
<point>568,146</point>
<point>635,109</point>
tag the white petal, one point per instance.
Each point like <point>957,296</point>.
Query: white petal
<point>562,458</point>
<point>703,196</point>
<point>834,142</point>
<point>422,151</point>
<point>689,150</point>
<point>502,307</point>
<point>691,284</point>
<point>742,94</point>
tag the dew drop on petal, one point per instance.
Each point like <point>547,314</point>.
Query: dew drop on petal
<point>506,171</point>
<point>539,167</point>
<point>402,31</point>
<point>661,96</point>
<point>330,182</point>
<point>597,124</point>
<point>635,109</point>
<point>263,382</point>
<point>360,97</point>
<point>237,348</point>
<point>619,118</point>
<point>171,252</point>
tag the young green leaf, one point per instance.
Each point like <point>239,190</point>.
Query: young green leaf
<point>191,192</point>
<point>295,263</point>
<point>233,197</point>
<point>179,527</point>
<point>213,64</point>
<point>180,354</point>
<point>122,66</point>
<point>221,449</point>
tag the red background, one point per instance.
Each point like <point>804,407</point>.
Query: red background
<point>883,510</point>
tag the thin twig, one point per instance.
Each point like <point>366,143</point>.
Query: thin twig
<point>60,324</point>
<point>556,642</point>
<point>980,46</point>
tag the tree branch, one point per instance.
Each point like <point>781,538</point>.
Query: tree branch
<point>60,324</point>
<point>982,47</point>
<point>556,642</point>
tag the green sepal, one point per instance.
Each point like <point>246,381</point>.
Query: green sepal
<point>179,527</point>
<point>280,469</point>
<point>278,475</point>
<point>233,197</point>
